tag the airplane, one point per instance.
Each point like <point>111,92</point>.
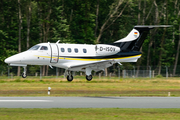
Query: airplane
<point>84,57</point>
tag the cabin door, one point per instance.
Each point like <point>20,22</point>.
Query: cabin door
<point>54,53</point>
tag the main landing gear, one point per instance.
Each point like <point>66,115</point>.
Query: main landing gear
<point>89,77</point>
<point>70,77</point>
<point>88,74</point>
<point>24,75</point>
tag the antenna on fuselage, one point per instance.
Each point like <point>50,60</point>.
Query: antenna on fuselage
<point>58,41</point>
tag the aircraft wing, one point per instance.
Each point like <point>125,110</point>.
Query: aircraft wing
<point>96,66</point>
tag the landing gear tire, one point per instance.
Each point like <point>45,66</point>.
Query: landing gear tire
<point>69,78</point>
<point>89,77</point>
<point>24,75</point>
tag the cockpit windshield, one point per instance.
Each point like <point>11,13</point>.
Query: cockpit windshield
<point>36,47</point>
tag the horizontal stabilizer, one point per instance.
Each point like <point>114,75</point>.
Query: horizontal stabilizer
<point>151,26</point>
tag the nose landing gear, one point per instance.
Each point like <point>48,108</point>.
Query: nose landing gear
<point>24,75</point>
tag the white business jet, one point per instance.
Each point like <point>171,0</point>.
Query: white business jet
<point>84,57</point>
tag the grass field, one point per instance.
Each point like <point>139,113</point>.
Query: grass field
<point>89,114</point>
<point>32,86</point>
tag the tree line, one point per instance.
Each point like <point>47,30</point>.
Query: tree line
<point>24,23</point>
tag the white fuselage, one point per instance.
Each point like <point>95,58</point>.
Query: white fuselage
<point>67,55</point>
<point>83,57</point>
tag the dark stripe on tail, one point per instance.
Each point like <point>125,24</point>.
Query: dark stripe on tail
<point>134,45</point>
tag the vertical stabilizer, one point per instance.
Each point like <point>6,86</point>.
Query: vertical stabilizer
<point>134,40</point>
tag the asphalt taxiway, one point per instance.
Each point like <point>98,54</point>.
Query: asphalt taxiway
<point>89,102</point>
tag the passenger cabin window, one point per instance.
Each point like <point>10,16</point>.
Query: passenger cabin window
<point>44,48</point>
<point>62,49</point>
<point>75,50</point>
<point>84,50</point>
<point>36,47</point>
<point>69,50</point>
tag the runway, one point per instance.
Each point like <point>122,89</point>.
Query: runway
<point>89,102</point>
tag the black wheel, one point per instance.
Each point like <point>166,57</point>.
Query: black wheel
<point>89,77</point>
<point>69,78</point>
<point>24,75</point>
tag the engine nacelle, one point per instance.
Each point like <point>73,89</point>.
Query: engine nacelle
<point>103,49</point>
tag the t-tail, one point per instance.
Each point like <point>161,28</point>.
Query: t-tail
<point>134,40</point>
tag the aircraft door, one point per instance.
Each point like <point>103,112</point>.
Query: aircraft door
<point>54,53</point>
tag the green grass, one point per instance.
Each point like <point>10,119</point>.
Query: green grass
<point>89,114</point>
<point>32,86</point>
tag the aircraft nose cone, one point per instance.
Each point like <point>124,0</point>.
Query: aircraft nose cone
<point>7,60</point>
<point>13,59</point>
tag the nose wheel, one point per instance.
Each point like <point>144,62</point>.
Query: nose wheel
<point>89,77</point>
<point>24,75</point>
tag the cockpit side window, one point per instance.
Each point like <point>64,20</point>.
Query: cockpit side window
<point>44,48</point>
<point>36,47</point>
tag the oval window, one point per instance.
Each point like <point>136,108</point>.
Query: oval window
<point>75,50</point>
<point>84,50</point>
<point>69,49</point>
<point>62,50</point>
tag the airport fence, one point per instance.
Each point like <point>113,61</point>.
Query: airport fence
<point>114,71</point>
